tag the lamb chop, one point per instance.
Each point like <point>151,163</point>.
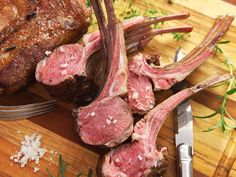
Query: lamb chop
<point>140,95</point>
<point>54,23</point>
<point>140,158</point>
<point>108,120</point>
<point>72,75</point>
<point>165,77</point>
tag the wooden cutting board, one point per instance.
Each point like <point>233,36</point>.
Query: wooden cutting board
<point>214,152</point>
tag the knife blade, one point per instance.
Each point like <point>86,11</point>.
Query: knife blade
<point>183,130</point>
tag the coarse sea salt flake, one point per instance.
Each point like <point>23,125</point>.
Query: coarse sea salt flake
<point>140,157</point>
<point>92,114</point>
<point>64,72</point>
<point>147,88</point>
<point>64,65</point>
<point>135,95</point>
<point>48,52</point>
<point>62,49</point>
<point>30,151</point>
<point>108,121</point>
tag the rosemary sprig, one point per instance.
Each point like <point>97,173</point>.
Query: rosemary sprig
<point>222,110</point>
<point>62,168</point>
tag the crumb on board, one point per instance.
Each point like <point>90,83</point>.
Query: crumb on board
<point>36,169</point>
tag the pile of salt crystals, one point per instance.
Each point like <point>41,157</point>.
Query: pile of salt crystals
<point>30,151</point>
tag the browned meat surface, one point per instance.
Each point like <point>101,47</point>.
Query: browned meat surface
<point>15,13</point>
<point>56,23</point>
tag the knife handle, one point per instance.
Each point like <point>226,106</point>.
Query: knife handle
<point>185,157</point>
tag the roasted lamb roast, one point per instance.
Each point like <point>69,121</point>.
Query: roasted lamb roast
<point>35,29</point>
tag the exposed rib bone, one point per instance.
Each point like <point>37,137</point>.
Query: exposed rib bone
<point>164,78</point>
<point>154,20</point>
<point>153,32</point>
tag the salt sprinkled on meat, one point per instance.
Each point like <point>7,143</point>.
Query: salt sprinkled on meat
<point>111,120</point>
<point>108,121</point>
<point>48,52</point>
<point>30,151</point>
<point>140,157</point>
<point>92,114</point>
<point>135,95</point>
<point>64,72</point>
<point>61,49</point>
<point>147,88</point>
<point>64,65</point>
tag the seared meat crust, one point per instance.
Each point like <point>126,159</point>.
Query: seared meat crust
<point>55,23</point>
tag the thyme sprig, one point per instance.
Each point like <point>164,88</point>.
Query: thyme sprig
<point>180,36</point>
<point>151,12</point>
<point>223,110</point>
<point>62,168</point>
<point>129,11</point>
<point>88,3</point>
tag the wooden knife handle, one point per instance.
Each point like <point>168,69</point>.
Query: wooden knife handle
<point>185,157</point>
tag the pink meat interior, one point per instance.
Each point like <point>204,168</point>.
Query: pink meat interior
<point>63,63</point>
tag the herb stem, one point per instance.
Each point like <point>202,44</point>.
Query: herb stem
<point>231,89</point>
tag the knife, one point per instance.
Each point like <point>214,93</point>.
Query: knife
<point>183,130</point>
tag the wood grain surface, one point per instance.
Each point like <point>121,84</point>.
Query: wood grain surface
<point>214,152</point>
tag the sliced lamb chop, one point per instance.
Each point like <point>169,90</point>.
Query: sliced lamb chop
<point>165,77</point>
<point>109,117</point>
<point>140,158</point>
<point>89,58</point>
<point>140,93</point>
